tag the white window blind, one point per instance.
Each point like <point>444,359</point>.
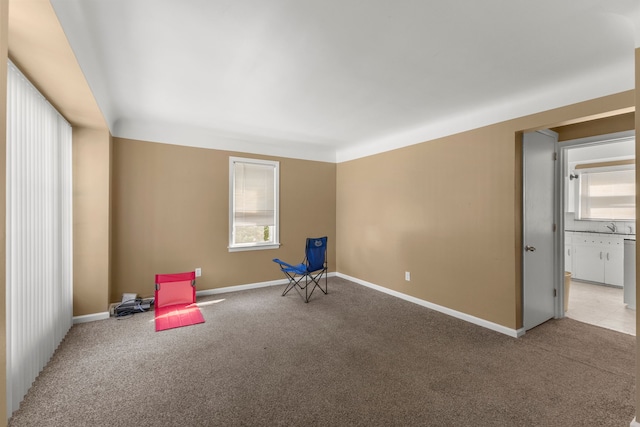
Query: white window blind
<point>607,193</point>
<point>39,234</point>
<point>254,203</point>
<point>254,191</point>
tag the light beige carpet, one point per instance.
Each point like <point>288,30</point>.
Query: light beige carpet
<point>353,357</point>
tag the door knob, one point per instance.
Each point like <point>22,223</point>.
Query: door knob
<point>529,248</point>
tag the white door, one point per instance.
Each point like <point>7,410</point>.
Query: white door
<point>538,234</point>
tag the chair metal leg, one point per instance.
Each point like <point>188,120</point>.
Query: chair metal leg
<point>295,282</point>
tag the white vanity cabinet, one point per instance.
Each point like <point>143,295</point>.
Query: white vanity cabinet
<point>598,258</point>
<point>568,255</point>
<point>630,273</point>
<point>588,261</point>
<point>614,264</point>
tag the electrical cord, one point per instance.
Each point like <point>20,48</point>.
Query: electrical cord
<point>121,313</point>
<point>121,316</point>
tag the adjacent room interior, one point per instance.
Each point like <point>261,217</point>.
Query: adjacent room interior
<point>599,222</point>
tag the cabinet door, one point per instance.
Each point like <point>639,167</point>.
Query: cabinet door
<point>614,266</point>
<point>588,262</point>
<point>568,260</point>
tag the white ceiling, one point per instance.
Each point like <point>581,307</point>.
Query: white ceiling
<point>334,80</point>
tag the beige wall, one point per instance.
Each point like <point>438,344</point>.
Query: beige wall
<point>170,214</point>
<point>448,211</point>
<point>39,48</point>
<point>618,123</point>
<point>4,23</point>
<point>91,198</point>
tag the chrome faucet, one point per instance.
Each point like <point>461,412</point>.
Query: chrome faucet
<point>612,227</point>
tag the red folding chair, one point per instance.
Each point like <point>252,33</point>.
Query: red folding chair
<point>175,299</point>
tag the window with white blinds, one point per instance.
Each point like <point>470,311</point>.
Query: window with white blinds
<point>39,253</point>
<point>253,201</point>
<point>607,193</point>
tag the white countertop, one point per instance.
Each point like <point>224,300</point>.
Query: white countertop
<point>625,235</point>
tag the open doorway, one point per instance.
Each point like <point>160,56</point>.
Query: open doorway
<point>598,217</point>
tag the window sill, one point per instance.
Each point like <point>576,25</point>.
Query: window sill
<point>253,247</point>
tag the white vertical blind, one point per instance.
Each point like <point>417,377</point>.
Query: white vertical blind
<point>39,279</point>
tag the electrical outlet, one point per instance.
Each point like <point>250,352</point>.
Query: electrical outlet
<point>198,272</point>
<point>407,276</point>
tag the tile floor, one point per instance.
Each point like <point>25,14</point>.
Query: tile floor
<point>601,306</point>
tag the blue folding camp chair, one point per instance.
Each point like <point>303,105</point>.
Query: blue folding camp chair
<point>310,271</point>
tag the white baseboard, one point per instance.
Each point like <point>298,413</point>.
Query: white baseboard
<point>101,316</point>
<point>457,314</point>
<point>90,317</point>
<point>634,423</point>
<point>237,288</point>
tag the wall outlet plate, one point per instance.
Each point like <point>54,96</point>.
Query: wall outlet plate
<point>198,272</point>
<point>407,276</point>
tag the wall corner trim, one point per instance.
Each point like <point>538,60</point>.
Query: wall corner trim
<point>453,313</point>
<point>90,317</point>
